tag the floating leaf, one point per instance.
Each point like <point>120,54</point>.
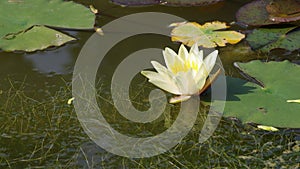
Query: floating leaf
<point>254,13</point>
<point>43,38</point>
<point>284,10</point>
<point>265,104</point>
<point>267,128</point>
<point>266,12</point>
<point>165,2</point>
<point>18,16</point>
<point>208,35</point>
<point>265,39</point>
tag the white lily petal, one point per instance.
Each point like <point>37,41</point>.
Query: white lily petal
<point>210,60</point>
<point>162,82</point>
<point>186,83</point>
<point>201,83</point>
<point>158,67</point>
<point>166,85</point>
<point>201,55</point>
<point>201,73</point>
<point>194,49</point>
<point>173,62</point>
<point>179,99</point>
<point>157,76</point>
<point>183,53</point>
<point>150,74</point>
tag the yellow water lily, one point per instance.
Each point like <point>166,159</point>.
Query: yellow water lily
<point>185,73</point>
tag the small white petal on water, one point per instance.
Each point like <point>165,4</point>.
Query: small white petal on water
<point>179,99</point>
<point>93,9</point>
<point>267,128</point>
<point>70,100</point>
<point>293,101</point>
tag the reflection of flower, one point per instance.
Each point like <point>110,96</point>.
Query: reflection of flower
<point>185,74</point>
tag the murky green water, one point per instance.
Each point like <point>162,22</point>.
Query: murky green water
<point>39,129</point>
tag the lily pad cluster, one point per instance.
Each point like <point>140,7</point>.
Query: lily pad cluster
<point>27,25</point>
<point>271,12</point>
<point>270,97</point>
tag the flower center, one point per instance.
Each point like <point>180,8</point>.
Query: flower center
<point>184,67</point>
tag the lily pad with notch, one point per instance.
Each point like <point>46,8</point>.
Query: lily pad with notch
<point>266,12</point>
<point>43,38</point>
<point>266,104</point>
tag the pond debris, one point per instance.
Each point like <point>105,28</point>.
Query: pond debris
<point>293,101</point>
<point>70,100</point>
<point>99,31</point>
<point>15,1</point>
<point>267,128</point>
<point>93,9</point>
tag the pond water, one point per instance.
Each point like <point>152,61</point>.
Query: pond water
<point>39,129</point>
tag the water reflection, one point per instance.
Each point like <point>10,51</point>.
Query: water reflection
<point>58,60</point>
<point>55,61</point>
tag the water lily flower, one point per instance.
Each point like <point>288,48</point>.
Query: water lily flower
<point>185,73</point>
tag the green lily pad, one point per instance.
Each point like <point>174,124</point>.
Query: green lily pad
<point>265,39</point>
<point>19,15</point>
<point>165,2</point>
<point>267,104</point>
<point>43,38</point>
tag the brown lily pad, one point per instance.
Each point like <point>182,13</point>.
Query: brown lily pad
<point>266,12</point>
<point>284,11</point>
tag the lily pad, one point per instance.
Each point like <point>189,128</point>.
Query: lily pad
<point>284,11</point>
<point>43,38</point>
<point>208,35</point>
<point>266,12</point>
<point>165,2</point>
<point>20,15</point>
<point>266,104</point>
<point>254,13</point>
<point>265,39</point>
